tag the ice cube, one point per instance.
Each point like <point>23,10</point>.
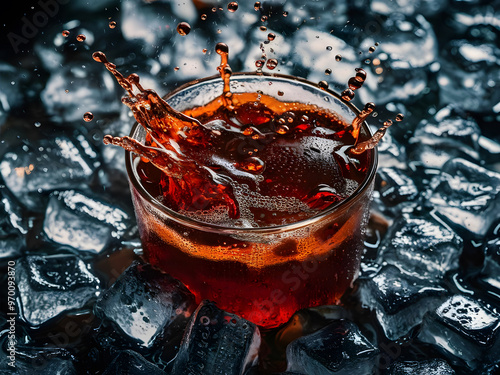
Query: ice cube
<point>48,164</point>
<point>52,285</point>
<point>469,75</point>
<point>400,301</point>
<point>421,246</point>
<point>466,196</point>
<point>217,342</point>
<point>395,187</point>
<point>338,348</point>
<point>77,88</point>
<point>449,134</point>
<point>426,367</point>
<point>83,222</point>
<point>464,328</point>
<point>132,363</point>
<point>489,278</point>
<point>145,305</point>
<point>11,90</point>
<point>408,7</point>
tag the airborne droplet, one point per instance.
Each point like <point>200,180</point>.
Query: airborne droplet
<point>271,64</point>
<point>183,28</point>
<point>323,84</point>
<point>88,116</point>
<point>400,117</point>
<point>328,71</point>
<point>360,75</point>
<point>271,37</point>
<point>65,33</point>
<point>203,17</point>
<point>81,38</point>
<point>256,6</point>
<point>222,49</point>
<point>112,24</point>
<point>354,83</point>
<point>232,6</point>
<point>372,49</point>
<point>338,58</point>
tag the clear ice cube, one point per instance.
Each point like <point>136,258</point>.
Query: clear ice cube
<point>145,304</point>
<point>464,328</point>
<point>132,363</point>
<point>46,165</point>
<point>466,196</point>
<point>83,222</point>
<point>53,285</point>
<point>399,300</point>
<point>216,343</point>
<point>426,367</point>
<point>421,246</point>
<point>338,348</point>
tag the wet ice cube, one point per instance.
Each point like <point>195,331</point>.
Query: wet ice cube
<point>46,165</point>
<point>145,303</point>
<point>490,274</point>
<point>464,328</point>
<point>469,75</point>
<point>408,7</point>
<point>421,246</point>
<point>11,94</point>
<point>52,285</point>
<point>338,348</point>
<point>90,89</point>
<point>449,134</point>
<point>426,367</point>
<point>466,196</point>
<point>82,221</point>
<point>132,363</point>
<point>216,342</point>
<point>400,301</point>
<point>395,186</point>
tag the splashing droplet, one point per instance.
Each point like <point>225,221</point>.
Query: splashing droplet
<point>203,17</point>
<point>65,33</point>
<point>271,37</point>
<point>338,58</point>
<point>400,117</point>
<point>88,116</point>
<point>259,63</point>
<point>256,6</point>
<point>112,24</point>
<point>263,28</point>
<point>329,48</point>
<point>328,71</point>
<point>285,14</point>
<point>183,28</point>
<point>232,6</point>
<point>347,95</point>
<point>271,64</point>
<point>81,38</point>
<point>372,49</point>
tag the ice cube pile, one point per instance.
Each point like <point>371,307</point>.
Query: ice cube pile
<point>427,300</point>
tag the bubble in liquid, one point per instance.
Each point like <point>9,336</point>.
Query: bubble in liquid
<point>256,6</point>
<point>81,38</point>
<point>323,84</point>
<point>232,6</point>
<point>183,28</point>
<point>88,116</point>
<point>271,37</point>
<point>271,64</point>
<point>65,33</point>
<point>400,117</point>
<point>112,24</point>
<point>328,71</point>
<point>203,17</point>
<point>282,129</point>
<point>347,95</point>
<point>338,58</point>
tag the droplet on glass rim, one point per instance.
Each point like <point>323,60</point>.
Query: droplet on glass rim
<point>323,84</point>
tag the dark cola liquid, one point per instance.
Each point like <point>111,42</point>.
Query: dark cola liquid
<point>277,163</point>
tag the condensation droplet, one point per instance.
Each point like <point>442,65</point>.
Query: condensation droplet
<point>183,28</point>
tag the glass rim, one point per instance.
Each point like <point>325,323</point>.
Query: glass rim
<point>360,191</point>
